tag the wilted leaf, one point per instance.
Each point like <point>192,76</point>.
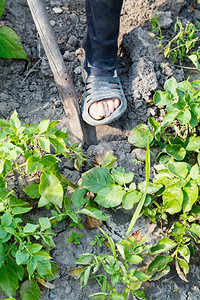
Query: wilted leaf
<point>46,284</point>
<point>75,272</point>
<point>92,223</point>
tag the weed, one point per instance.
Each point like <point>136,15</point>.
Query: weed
<point>74,238</point>
<point>156,27</point>
<point>185,40</point>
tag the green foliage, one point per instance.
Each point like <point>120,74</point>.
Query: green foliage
<point>156,28</point>
<point>183,42</point>
<point>25,150</point>
<point>74,238</point>
<point>123,264</point>
<point>182,101</point>
<point>173,192</point>
<point>10,44</point>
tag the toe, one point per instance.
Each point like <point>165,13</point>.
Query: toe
<point>103,108</point>
<point>117,103</point>
<point>111,105</point>
<point>94,111</point>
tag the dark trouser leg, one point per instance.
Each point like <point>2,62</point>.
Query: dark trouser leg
<point>102,33</point>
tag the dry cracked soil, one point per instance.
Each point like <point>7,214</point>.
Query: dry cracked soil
<point>29,88</point>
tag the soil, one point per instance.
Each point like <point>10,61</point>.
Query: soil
<point>29,88</point>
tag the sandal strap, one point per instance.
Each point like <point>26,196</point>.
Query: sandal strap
<point>99,88</point>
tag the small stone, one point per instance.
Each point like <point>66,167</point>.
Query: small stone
<point>78,70</point>
<point>166,69</point>
<point>53,23</point>
<point>197,13</point>
<point>164,18</point>
<point>151,112</point>
<point>72,40</point>
<point>140,154</point>
<point>68,56</point>
<point>136,94</point>
<point>152,35</point>
<point>57,10</point>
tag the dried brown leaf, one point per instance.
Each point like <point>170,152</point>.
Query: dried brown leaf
<point>136,235</point>
<point>45,284</point>
<point>75,272</point>
<point>92,223</point>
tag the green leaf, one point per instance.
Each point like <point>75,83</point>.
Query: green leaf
<point>194,144</point>
<point>179,169</point>
<point>50,189</point>
<point>4,123</point>
<point>161,274</point>
<point>173,199</point>
<point>110,196</point>
<point>170,117</point>
<point>195,84</point>
<point>184,117</point>
<point>48,160</point>
<point>42,255</point>
<point>6,219</point>
<point>171,85</point>
<point>131,198</point>
<point>152,188</point>
<point>31,266</point>
<point>22,257</point>
<point>115,296</point>
<point>85,276</point>
<point>175,151</point>
<point>58,143</point>
<point>10,45</point>
<point>32,191</point>
<point>141,276</point>
<point>194,172</point>
<point>93,212</point>
<point>195,228</point>
<point>140,135</point>
<point>21,210</point>
<point>29,290</point>
<point>2,5</point>
<point>183,265</point>
<point>96,179</point>
<point>190,195</point>
<point>32,164</point>
<point>194,59</point>
<point>159,263</point>
<point>140,294</point>
<point>165,244</point>
<point>121,177</point>
<point>141,203</point>
<point>44,223</point>
<point>43,126</point>
<point>78,198</point>
<point>161,98</point>
<point>112,244</point>
<point>34,248</point>
<point>134,259</point>
<point>2,255</point>
<point>30,228</point>
<point>43,267</point>
<point>44,144</point>
<point>185,86</point>
<point>8,280</point>
<point>14,121</point>
<point>109,161</point>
